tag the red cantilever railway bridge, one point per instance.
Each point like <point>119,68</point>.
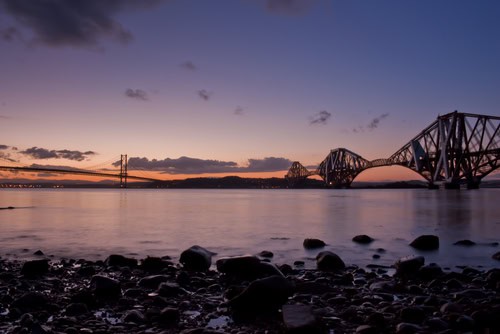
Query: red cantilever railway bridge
<point>457,148</point>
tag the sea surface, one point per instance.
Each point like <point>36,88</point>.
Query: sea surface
<point>93,223</point>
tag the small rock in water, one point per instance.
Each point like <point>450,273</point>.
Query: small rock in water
<point>153,264</point>
<point>313,243</point>
<point>465,242</point>
<point>38,253</point>
<point>362,239</point>
<point>266,254</point>
<point>426,242</point>
<point>496,256</point>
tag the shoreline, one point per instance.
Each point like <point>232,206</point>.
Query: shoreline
<point>245,294</point>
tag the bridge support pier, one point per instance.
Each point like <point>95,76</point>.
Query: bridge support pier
<point>123,171</point>
<point>452,185</point>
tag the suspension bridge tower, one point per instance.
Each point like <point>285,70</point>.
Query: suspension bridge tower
<point>123,171</point>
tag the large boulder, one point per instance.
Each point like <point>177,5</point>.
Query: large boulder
<point>329,261</point>
<point>196,258</point>
<point>496,256</point>
<point>247,267</point>
<point>263,295</point>
<point>35,268</point>
<point>313,243</point>
<point>362,239</point>
<point>31,301</point>
<point>409,265</point>
<point>426,242</point>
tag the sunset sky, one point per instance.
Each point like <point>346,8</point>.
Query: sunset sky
<point>237,87</point>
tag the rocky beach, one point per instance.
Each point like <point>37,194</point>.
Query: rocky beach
<point>246,294</point>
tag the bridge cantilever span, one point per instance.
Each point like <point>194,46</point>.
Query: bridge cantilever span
<point>457,148</point>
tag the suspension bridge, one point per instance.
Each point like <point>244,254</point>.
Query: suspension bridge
<point>122,174</point>
<point>455,149</point>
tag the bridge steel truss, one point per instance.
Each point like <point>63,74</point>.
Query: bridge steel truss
<point>457,148</point>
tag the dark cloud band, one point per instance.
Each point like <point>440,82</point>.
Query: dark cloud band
<point>43,153</point>
<point>187,165</point>
<point>74,23</point>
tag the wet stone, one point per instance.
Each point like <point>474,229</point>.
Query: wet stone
<point>299,319</point>
<point>312,243</point>
<point>35,268</point>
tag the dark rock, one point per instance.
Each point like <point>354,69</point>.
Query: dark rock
<point>134,316</point>
<point>76,309</point>
<point>367,329</point>
<point>263,295</point>
<point>169,316</point>
<point>496,256</point>
<point>35,268</point>
<point>375,256</point>
<point>465,323</point>
<point>313,243</point>
<point>299,263</point>
<point>430,272</point>
<point>170,289</point>
<point>120,261</point>
<point>196,258</point>
<point>153,264</point>
<point>105,287</point>
<point>465,242</point>
<point>407,328</point>
<point>266,254</point>
<point>38,253</point>
<point>437,324</point>
<point>134,293</point>
<point>246,267</point>
<point>409,265</point>
<point>86,271</point>
<point>412,314</point>
<point>152,282</point>
<point>31,301</point>
<point>299,319</point>
<point>362,239</point>
<point>426,242</point>
<point>451,308</point>
<point>329,261</point>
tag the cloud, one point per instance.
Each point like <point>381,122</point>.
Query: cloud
<point>4,147</point>
<point>289,7</point>
<point>4,117</point>
<point>188,65</point>
<point>80,23</point>
<point>138,94</point>
<point>205,95</point>
<point>42,153</point>
<point>239,111</point>
<point>10,34</point>
<point>270,164</point>
<point>320,117</point>
<point>376,121</point>
<point>187,165</point>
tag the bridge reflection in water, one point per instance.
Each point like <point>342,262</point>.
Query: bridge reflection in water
<point>456,149</point>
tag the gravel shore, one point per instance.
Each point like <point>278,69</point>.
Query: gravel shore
<point>246,294</point>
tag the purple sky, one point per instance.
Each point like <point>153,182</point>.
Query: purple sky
<point>273,81</point>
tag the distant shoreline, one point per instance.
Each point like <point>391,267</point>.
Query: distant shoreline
<point>228,182</point>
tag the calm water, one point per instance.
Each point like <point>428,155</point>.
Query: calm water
<point>95,223</point>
